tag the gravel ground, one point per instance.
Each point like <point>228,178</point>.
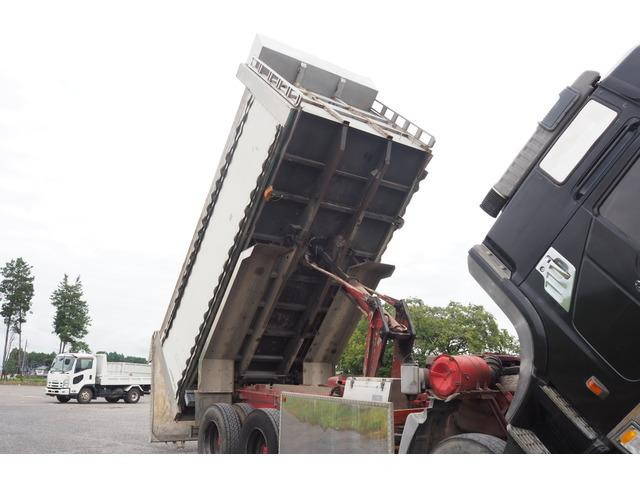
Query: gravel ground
<point>31,422</point>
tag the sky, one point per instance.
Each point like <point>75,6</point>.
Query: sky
<point>113,117</point>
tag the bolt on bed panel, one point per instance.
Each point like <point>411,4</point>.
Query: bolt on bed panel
<point>311,73</point>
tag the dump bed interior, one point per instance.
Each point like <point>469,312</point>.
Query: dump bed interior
<point>335,184</point>
<point>337,189</point>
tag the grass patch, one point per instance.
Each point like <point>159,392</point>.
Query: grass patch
<point>26,380</point>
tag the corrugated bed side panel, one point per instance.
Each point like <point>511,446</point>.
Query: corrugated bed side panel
<point>238,174</point>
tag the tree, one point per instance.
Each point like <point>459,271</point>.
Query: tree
<point>456,329</point>
<point>31,360</point>
<point>71,320</point>
<point>119,357</point>
<point>12,362</point>
<point>38,359</point>
<point>79,346</point>
<point>16,288</point>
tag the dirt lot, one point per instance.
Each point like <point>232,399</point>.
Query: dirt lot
<point>31,422</point>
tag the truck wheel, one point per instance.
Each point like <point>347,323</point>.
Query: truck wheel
<point>63,398</point>
<point>260,431</point>
<point>85,395</point>
<point>112,399</point>
<point>219,430</point>
<point>243,409</point>
<point>132,396</point>
<point>470,443</point>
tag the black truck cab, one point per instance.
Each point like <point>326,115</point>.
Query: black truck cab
<point>563,262</point>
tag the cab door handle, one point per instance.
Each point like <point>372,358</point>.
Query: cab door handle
<point>559,266</point>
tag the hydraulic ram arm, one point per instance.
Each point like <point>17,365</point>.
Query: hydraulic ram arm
<point>381,325</point>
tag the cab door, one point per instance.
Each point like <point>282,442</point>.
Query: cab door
<point>83,374</point>
<point>586,285</point>
<point>607,303</point>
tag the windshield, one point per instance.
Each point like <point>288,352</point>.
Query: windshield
<point>62,365</point>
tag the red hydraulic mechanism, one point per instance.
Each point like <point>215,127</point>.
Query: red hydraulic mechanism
<point>382,325</point>
<point>450,374</point>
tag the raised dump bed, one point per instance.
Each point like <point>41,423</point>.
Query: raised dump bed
<point>313,162</point>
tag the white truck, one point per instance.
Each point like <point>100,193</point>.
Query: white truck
<point>86,376</point>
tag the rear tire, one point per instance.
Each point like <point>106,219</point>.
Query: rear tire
<point>85,395</point>
<point>112,399</point>
<point>219,430</point>
<point>260,431</point>
<point>471,443</point>
<point>243,409</point>
<point>63,398</point>
<point>132,396</point>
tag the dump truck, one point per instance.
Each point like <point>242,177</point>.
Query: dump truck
<point>85,377</point>
<point>313,181</point>
<point>562,260</point>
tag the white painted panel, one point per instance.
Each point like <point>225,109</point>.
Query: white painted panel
<point>251,152</point>
<point>124,373</point>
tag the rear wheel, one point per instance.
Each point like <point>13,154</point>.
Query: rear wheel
<point>112,399</point>
<point>219,430</point>
<point>63,398</point>
<point>260,431</point>
<point>243,409</point>
<point>470,443</point>
<point>85,395</point>
<point>132,396</point>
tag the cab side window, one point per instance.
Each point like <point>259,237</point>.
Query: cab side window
<point>620,208</point>
<point>84,364</point>
<point>574,143</point>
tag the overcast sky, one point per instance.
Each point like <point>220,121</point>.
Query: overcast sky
<point>113,118</point>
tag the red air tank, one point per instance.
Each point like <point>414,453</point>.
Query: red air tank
<point>451,374</point>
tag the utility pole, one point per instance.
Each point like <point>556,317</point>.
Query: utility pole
<point>24,358</point>
<point>20,344</point>
<point>6,341</point>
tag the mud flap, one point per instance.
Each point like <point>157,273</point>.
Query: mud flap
<point>164,409</point>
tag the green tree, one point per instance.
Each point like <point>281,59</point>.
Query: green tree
<point>71,320</point>
<point>79,346</point>
<point>456,329</point>
<point>119,357</point>
<point>37,359</point>
<point>12,362</point>
<point>31,360</point>
<point>16,288</point>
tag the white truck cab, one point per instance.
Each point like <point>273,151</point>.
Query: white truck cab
<point>86,376</point>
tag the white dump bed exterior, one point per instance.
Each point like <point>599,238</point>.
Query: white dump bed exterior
<point>121,373</point>
<point>259,129</point>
